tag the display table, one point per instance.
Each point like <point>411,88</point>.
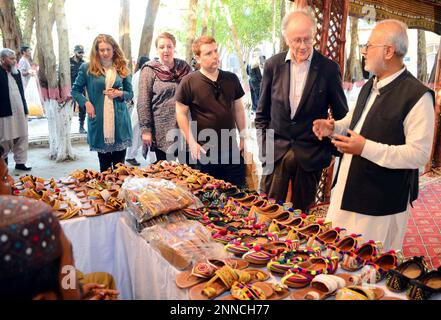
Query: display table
<point>110,243</point>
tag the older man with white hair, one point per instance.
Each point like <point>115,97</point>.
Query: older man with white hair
<point>385,140</point>
<point>13,111</point>
<point>298,87</point>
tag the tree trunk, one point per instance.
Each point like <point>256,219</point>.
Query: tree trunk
<point>51,22</point>
<point>274,25</point>
<point>124,31</point>
<point>283,46</point>
<point>191,33</point>
<point>214,18</point>
<point>58,122</point>
<point>10,26</point>
<point>236,42</point>
<point>29,25</point>
<point>204,30</point>
<point>353,65</point>
<point>422,57</point>
<point>64,111</point>
<point>149,27</point>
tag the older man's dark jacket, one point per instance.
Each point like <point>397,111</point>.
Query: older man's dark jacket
<point>5,102</point>
<point>323,90</point>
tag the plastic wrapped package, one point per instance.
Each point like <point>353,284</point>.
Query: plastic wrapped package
<point>183,243</point>
<point>147,198</point>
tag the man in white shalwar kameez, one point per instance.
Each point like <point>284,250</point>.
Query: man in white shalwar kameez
<point>13,111</point>
<point>384,141</point>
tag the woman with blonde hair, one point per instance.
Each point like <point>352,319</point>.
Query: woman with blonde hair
<point>108,85</point>
<point>156,102</point>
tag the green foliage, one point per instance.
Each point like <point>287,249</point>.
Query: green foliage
<point>22,9</point>
<point>252,19</point>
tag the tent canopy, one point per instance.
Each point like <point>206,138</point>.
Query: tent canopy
<point>417,14</point>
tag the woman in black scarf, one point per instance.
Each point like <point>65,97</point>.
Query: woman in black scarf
<point>156,102</point>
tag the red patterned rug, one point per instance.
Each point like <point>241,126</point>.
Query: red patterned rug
<point>423,235</point>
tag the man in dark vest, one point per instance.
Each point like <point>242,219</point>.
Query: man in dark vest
<point>298,87</point>
<point>75,63</point>
<point>13,111</point>
<point>385,140</point>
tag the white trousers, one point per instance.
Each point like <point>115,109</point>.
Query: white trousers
<point>19,147</point>
<point>390,230</point>
<point>132,152</point>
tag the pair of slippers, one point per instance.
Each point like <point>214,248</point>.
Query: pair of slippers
<point>343,286</point>
<point>257,291</point>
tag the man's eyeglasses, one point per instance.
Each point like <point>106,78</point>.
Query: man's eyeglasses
<point>298,41</point>
<point>366,46</point>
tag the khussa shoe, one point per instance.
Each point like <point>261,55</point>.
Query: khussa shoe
<point>426,286</point>
<point>288,259</point>
<point>302,273</point>
<point>397,280</point>
<point>384,263</point>
<point>355,260</point>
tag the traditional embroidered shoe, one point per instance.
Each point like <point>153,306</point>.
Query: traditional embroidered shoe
<point>240,246</point>
<point>426,286</point>
<point>384,263</point>
<point>397,280</point>
<point>265,214</point>
<point>302,274</point>
<point>261,254</point>
<point>304,233</point>
<point>345,245</point>
<point>355,260</point>
<point>321,241</point>
<point>289,258</point>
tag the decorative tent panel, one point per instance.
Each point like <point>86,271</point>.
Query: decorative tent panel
<point>417,14</point>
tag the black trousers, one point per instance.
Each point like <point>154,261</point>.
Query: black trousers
<point>233,173</point>
<point>82,114</point>
<point>255,95</point>
<point>111,159</point>
<point>304,186</point>
<point>182,157</point>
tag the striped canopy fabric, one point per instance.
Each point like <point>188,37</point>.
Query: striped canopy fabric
<point>417,14</point>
